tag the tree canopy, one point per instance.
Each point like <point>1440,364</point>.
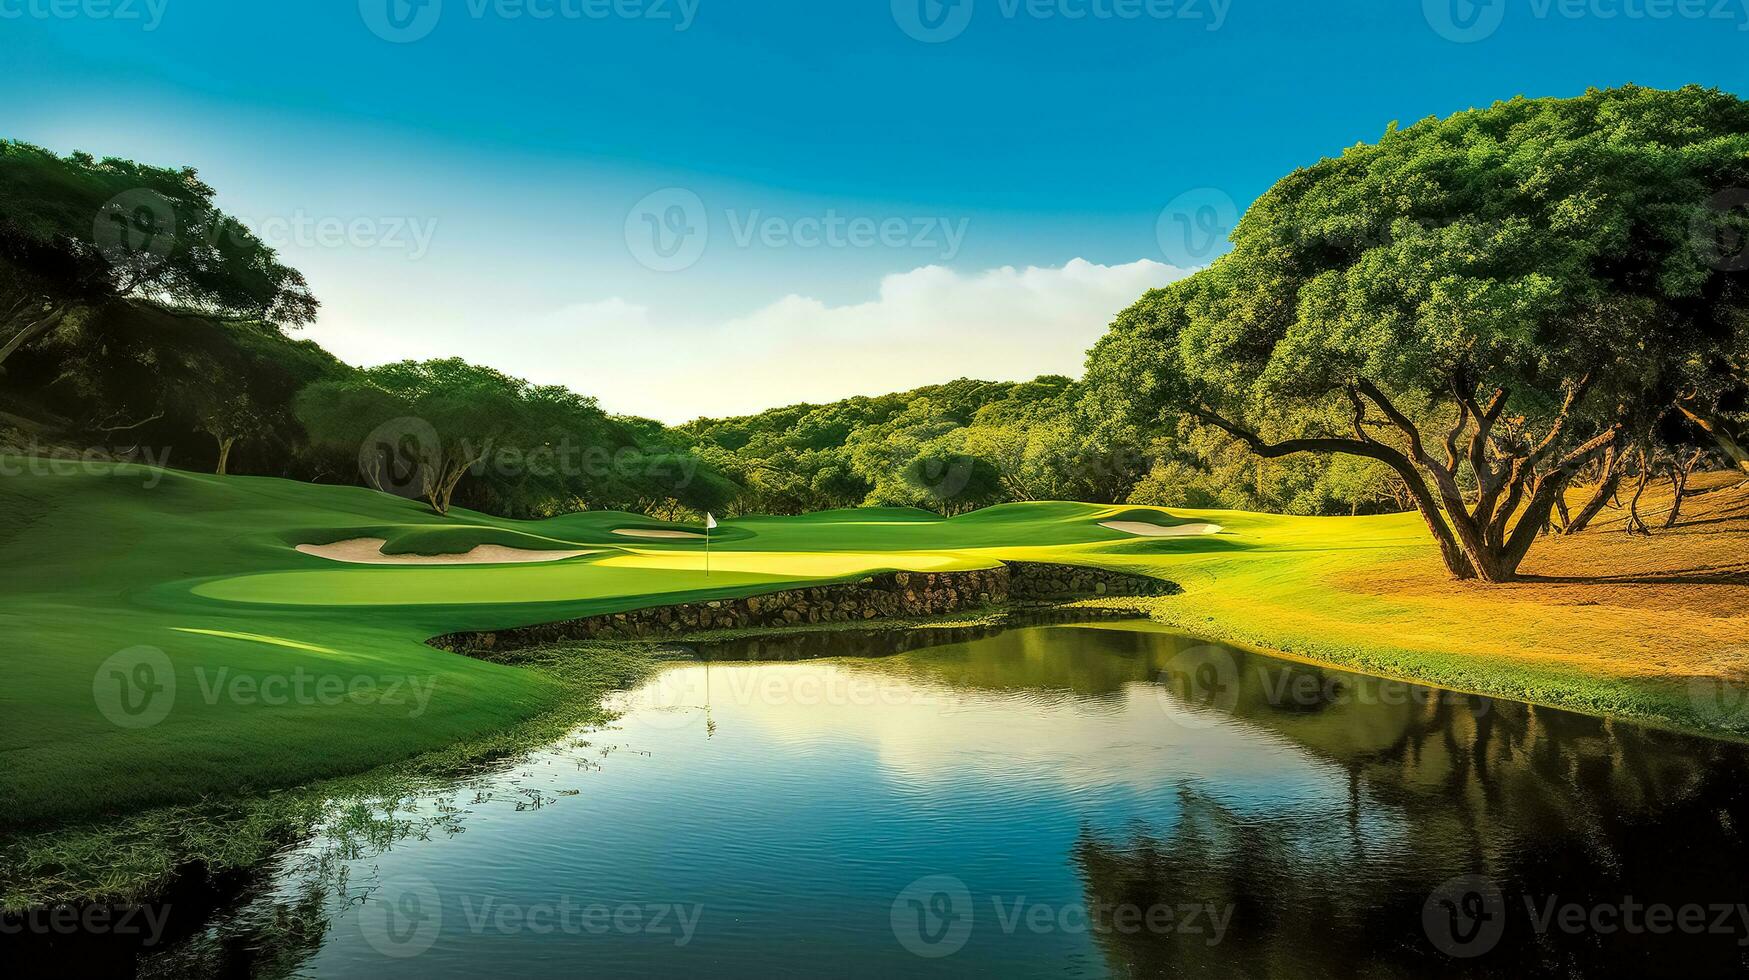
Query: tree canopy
<point>76,232</point>
<point>420,428</point>
<point>1481,303</point>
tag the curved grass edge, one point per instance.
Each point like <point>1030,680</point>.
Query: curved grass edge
<point>142,857</point>
<point>1662,703</point>
<point>138,858</point>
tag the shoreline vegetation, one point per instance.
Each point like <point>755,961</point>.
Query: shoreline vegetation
<point>1357,594</point>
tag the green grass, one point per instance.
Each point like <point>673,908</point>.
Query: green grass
<point>133,857</point>
<point>203,568</point>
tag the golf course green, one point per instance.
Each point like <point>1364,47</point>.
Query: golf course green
<point>169,644</point>
<point>289,667</point>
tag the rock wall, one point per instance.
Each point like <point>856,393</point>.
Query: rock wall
<point>1041,580</point>
<point>893,595</point>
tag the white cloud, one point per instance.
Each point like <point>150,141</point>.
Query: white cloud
<point>927,325</point>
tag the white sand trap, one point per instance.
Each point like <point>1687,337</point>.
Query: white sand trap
<point>1161,530</point>
<point>369,551</point>
<point>632,532</point>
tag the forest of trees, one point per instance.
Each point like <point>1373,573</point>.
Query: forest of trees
<point>1465,318</point>
<point>138,321</point>
<point>967,444</point>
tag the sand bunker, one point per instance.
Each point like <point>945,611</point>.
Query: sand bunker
<point>632,532</point>
<point>369,551</point>
<point>1161,530</point>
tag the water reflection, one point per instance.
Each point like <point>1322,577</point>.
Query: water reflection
<point>1077,799</point>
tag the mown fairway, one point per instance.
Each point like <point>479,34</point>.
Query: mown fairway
<point>110,559</point>
<point>290,667</point>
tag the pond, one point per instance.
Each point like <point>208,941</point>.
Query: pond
<point>1093,799</point>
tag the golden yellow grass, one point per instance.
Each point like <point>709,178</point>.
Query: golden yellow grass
<point>1675,603</point>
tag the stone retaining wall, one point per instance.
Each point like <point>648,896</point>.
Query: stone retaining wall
<point>1040,580</point>
<point>892,595</point>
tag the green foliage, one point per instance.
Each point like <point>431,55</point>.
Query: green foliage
<point>87,230</point>
<point>1563,251</point>
<point>133,374</point>
<point>422,428</point>
<point>1526,243</point>
<point>953,482</point>
<point>986,442</point>
<point>93,250</point>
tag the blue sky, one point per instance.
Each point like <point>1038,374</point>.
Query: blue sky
<point>856,209</point>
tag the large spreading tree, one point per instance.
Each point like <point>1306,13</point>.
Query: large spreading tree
<point>1483,303</point>
<point>77,232</point>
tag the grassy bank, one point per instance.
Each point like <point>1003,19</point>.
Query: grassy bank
<point>132,857</point>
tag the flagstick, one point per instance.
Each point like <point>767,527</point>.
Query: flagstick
<point>707,546</point>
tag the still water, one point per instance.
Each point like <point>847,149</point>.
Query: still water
<point>1074,800</point>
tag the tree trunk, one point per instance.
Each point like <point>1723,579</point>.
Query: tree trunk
<point>1457,562</point>
<point>431,485</point>
<point>1635,523</point>
<point>1734,445</point>
<point>1483,541</point>
<point>32,330</point>
<point>225,444</point>
<point>1679,473</point>
<point>442,491</point>
<point>1607,484</point>
<point>1486,557</point>
<point>1536,516</point>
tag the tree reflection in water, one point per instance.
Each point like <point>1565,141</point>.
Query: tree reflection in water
<point>1551,808</point>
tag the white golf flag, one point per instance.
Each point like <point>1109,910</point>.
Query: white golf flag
<point>709,521</point>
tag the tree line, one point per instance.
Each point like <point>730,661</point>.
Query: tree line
<point>134,312</point>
